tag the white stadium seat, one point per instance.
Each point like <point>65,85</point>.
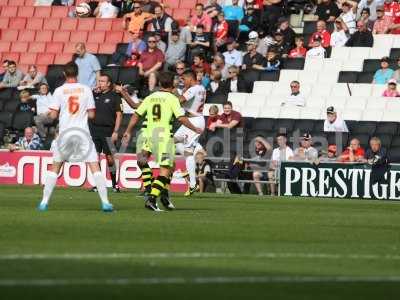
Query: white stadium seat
<point>385,41</point>
<point>332,64</point>
<point>361,89</point>
<point>314,64</point>
<point>257,100</point>
<point>390,116</point>
<point>354,64</point>
<point>378,89</point>
<point>310,113</point>
<point>372,115</point>
<point>289,112</point>
<point>359,52</point>
<point>281,88</point>
<point>341,89</point>
<point>378,53</point>
<point>352,114</point>
<point>341,52</point>
<point>356,103</point>
<point>263,87</point>
<point>315,101</point>
<point>237,99</point>
<point>328,76</point>
<point>251,111</point>
<point>378,103</point>
<point>276,100</point>
<point>308,77</point>
<point>288,75</point>
<point>393,104</point>
<point>270,112</point>
<point>321,89</point>
<point>338,102</point>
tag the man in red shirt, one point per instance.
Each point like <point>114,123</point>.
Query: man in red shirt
<point>322,33</point>
<point>152,59</point>
<point>353,153</point>
<point>229,119</point>
<point>201,17</point>
<point>392,10</point>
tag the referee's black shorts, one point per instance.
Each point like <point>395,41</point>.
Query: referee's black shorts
<point>99,137</point>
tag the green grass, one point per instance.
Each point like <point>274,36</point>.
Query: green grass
<point>296,248</point>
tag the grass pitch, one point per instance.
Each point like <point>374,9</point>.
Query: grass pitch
<point>211,247</point>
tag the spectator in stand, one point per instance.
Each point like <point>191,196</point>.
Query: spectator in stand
<point>262,44</point>
<point>204,174</point>
<point>221,29</point>
<point>43,2</point>
<point>12,77</point>
<point>105,10</point>
<point>232,56</point>
<point>377,156</point>
<point>201,18</point>
<point>384,74</point>
<point>176,50</point>
<point>235,83</point>
<point>382,23</point>
<point>161,23</point>
<point>353,153</point>
<point>317,51</point>
<point>396,74</point>
<point>5,69</point>
<point>280,46</point>
<point>149,6</point>
<point>88,65</point>
<point>219,64</point>
<point>295,98</point>
<point>152,59</point>
<point>26,103</point>
<point>392,10</point>
<point>202,77</point>
<point>369,5</point>
<point>136,20</point>
<point>327,10</point>
<point>306,152</point>
<point>124,7</point>
<point>362,37</point>
<point>32,79</point>
<point>322,34</point>
<point>150,86</point>
<point>273,10</point>
<point>391,90</point>
<point>299,51</point>
<point>271,62</point>
<point>233,13</point>
<point>213,9</point>
<point>330,155</point>
<point>249,23</point>
<point>287,32</point>
<point>348,15</point>
<point>30,141</point>
<point>365,17</point>
<point>160,43</point>
<point>186,31</point>
<point>212,116</point>
<point>216,87</point>
<point>340,36</point>
<point>333,123</point>
<point>252,57</point>
<point>229,119</point>
<point>63,2</point>
<point>43,102</point>
<point>282,153</point>
<point>261,147</point>
<point>135,47</point>
<point>200,43</point>
<point>199,61</point>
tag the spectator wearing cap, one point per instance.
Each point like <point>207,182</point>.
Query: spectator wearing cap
<point>299,51</point>
<point>365,17</point>
<point>232,56</point>
<point>228,119</point>
<point>306,152</point>
<point>136,20</point>
<point>201,18</point>
<point>152,59</point>
<point>249,23</point>
<point>271,62</point>
<point>200,42</point>
<point>333,123</point>
<point>382,23</point>
<point>176,50</point>
<point>362,37</point>
<point>252,57</point>
<point>280,46</point>
<point>12,77</point>
<point>384,74</point>
<point>235,83</point>
<point>339,36</point>
<point>295,98</point>
<point>322,34</point>
<point>262,47</point>
<point>353,153</point>
<point>348,15</point>
<point>219,65</point>
<point>317,51</point>
<point>327,10</point>
<point>220,30</point>
<point>391,90</point>
<point>371,6</point>
<point>286,31</point>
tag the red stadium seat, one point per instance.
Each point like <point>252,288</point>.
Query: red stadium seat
<point>86,24</point>
<point>52,24</point>
<point>9,11</point>
<point>42,69</point>
<point>37,47</point>
<point>26,12</point>
<point>92,48</point>
<point>5,46</point>
<point>20,47</point>
<point>127,37</point>
<point>42,11</point>
<point>59,11</point>
<point>4,21</point>
<point>35,23</point>
<point>114,37</point>
<point>103,24</point>
<point>28,59</point>
<point>54,47</point>
<point>9,35</point>
<point>18,2</point>
<point>169,11</point>
<point>61,36</point>
<point>23,68</point>
<point>29,2</point>
<point>181,13</point>
<point>62,59</point>
<point>45,59</point>
<point>44,36</point>
<point>11,56</point>
<point>69,24</point>
<point>96,37</point>
<point>188,4</point>
<point>78,36</point>
<point>3,2</point>
<point>117,25</point>
<point>17,23</point>
<point>26,35</point>
<point>171,4</point>
<point>107,48</point>
<point>69,48</point>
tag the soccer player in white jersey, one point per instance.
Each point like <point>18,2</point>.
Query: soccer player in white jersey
<point>192,100</point>
<point>74,104</point>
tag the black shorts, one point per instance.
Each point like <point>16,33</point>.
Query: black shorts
<point>99,137</point>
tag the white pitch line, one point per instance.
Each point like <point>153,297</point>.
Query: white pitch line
<point>195,280</point>
<point>190,255</point>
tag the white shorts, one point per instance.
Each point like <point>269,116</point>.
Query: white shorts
<point>71,147</point>
<point>189,137</point>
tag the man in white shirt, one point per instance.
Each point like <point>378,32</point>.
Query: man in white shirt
<point>43,102</point>
<point>333,123</point>
<point>282,153</point>
<point>339,36</point>
<point>348,16</point>
<point>295,98</point>
<point>233,57</point>
<point>106,10</point>
<point>306,152</point>
<point>317,51</point>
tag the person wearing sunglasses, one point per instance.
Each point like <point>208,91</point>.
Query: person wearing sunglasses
<point>136,20</point>
<point>152,59</point>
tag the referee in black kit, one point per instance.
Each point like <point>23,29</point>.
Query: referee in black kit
<point>107,122</point>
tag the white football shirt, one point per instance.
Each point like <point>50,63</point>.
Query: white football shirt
<point>338,125</point>
<point>195,99</point>
<point>73,100</point>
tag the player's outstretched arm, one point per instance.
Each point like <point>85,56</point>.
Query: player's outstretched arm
<point>185,121</point>
<point>127,135</point>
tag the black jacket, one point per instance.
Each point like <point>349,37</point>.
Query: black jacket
<point>361,39</point>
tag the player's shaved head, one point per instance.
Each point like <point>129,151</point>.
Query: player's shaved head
<point>190,74</point>
<point>71,70</point>
<point>166,80</point>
